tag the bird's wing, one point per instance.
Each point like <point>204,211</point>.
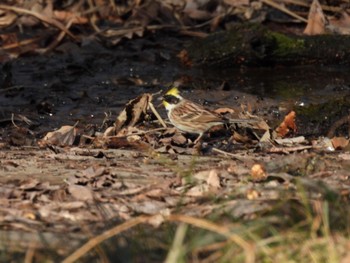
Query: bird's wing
<point>197,113</point>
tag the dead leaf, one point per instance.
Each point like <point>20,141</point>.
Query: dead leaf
<point>198,14</point>
<point>179,139</point>
<point>157,220</point>
<point>124,142</point>
<point>6,18</point>
<point>316,20</point>
<point>339,142</point>
<point>237,3</point>
<point>31,184</point>
<point>65,136</point>
<point>224,110</point>
<point>81,193</point>
<point>184,58</point>
<point>291,141</point>
<point>340,25</point>
<point>110,131</point>
<point>134,111</point>
<point>149,207</point>
<point>323,143</point>
<point>258,173</point>
<point>213,179</point>
<point>252,194</point>
<point>287,125</point>
<point>240,138</point>
<point>65,16</point>
<point>94,171</point>
<point>198,190</point>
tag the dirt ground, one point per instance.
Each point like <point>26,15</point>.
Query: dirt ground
<point>241,192</point>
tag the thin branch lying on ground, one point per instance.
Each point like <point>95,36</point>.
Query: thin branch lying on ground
<point>39,16</point>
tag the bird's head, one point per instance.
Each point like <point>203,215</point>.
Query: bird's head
<point>171,98</point>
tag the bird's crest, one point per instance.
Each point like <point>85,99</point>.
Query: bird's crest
<point>173,91</point>
<point>171,98</point>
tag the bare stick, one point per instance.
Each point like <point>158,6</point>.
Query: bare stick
<point>228,154</point>
<point>41,17</point>
<point>284,10</point>
<point>157,114</point>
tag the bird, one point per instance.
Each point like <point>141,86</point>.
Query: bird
<point>190,117</point>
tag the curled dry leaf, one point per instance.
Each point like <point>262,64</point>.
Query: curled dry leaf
<point>64,136</point>
<point>316,20</point>
<point>134,111</point>
<point>339,142</point>
<point>287,125</point>
<point>258,173</point>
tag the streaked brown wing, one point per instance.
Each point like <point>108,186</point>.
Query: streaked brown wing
<point>191,112</point>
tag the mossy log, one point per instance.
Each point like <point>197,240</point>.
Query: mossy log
<point>255,45</point>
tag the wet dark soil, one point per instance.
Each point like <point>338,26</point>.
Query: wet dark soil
<point>86,83</point>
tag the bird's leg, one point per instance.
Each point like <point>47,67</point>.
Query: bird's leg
<point>198,139</point>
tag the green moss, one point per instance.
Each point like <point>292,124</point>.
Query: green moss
<point>285,46</point>
<point>330,109</point>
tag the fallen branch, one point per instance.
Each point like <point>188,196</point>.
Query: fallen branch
<point>39,16</point>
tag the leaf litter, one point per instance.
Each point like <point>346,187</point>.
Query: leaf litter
<point>100,181</point>
<point>243,171</point>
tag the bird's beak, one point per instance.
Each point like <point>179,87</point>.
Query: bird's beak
<point>160,99</point>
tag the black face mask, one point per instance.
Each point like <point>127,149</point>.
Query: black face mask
<point>171,99</point>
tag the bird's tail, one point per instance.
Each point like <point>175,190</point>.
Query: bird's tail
<point>243,121</point>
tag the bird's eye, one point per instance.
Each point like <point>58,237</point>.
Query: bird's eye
<point>171,99</point>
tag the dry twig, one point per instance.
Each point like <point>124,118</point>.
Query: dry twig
<point>39,16</point>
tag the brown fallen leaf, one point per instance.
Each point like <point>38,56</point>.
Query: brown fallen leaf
<point>316,20</point>
<point>240,138</point>
<point>134,112</point>
<point>339,142</point>
<point>7,18</point>
<point>149,207</point>
<point>237,3</point>
<point>64,136</point>
<point>130,142</point>
<point>184,58</point>
<point>198,190</point>
<point>287,125</point>
<point>94,171</point>
<point>81,193</point>
<point>252,194</point>
<point>214,179</point>
<point>224,110</point>
<point>258,173</point>
<point>65,16</point>
<point>339,25</point>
